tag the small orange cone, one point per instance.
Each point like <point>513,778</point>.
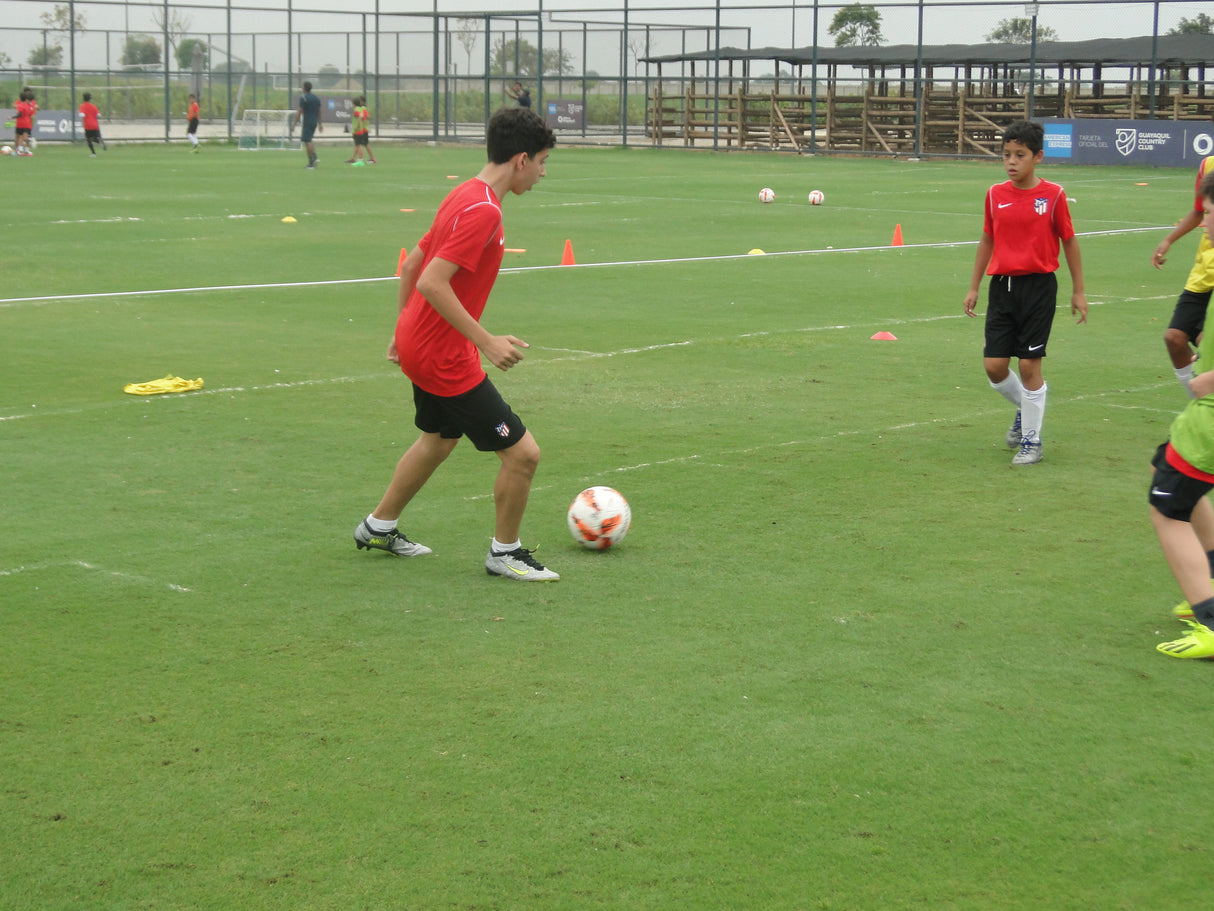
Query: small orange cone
<point>404,253</point>
<point>897,241</point>
<point>883,337</point>
<point>567,257</point>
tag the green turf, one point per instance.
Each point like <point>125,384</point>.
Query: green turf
<point>847,658</point>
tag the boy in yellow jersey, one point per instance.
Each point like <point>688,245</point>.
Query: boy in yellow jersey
<point>1189,317</point>
<point>360,120</point>
<point>1184,474</point>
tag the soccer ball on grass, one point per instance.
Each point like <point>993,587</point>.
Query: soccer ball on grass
<point>599,517</point>
<point>767,194</point>
<point>7,150</point>
<point>816,197</point>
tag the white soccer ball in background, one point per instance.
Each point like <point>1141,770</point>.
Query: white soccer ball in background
<point>767,194</point>
<point>816,197</point>
<point>599,517</point>
<point>7,150</point>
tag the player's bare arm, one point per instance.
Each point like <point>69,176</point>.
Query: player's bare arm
<point>1191,220</point>
<point>434,283</point>
<point>1202,384</point>
<point>1074,264</point>
<point>409,270</point>
<point>982,259</point>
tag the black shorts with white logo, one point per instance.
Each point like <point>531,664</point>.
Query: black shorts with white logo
<point>481,414</point>
<point>1019,315</point>
<point>1173,492</point>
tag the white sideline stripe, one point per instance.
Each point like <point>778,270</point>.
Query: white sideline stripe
<point>13,301</point>
<point>568,355</point>
<point>89,567</point>
<point>700,458</point>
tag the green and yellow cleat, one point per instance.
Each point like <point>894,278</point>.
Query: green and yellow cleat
<point>1198,642</point>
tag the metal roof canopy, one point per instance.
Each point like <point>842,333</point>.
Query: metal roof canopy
<point>1161,51</point>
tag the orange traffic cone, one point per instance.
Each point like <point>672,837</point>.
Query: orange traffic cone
<point>897,241</point>
<point>567,258</point>
<point>400,263</point>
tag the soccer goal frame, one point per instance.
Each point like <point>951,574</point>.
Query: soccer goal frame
<point>266,129</point>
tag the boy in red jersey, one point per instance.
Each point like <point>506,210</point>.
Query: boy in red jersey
<point>191,114</point>
<point>26,108</point>
<point>91,122</point>
<point>444,285</point>
<point>1189,316</point>
<point>1025,219</point>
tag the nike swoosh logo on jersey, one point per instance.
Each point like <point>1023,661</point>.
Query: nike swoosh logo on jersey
<point>1004,205</point>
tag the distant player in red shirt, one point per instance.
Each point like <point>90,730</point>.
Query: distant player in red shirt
<point>439,342</point>
<point>1026,218</point>
<point>26,109</point>
<point>191,114</point>
<point>92,125</point>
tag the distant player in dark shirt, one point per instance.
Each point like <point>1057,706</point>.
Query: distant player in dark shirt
<point>309,113</point>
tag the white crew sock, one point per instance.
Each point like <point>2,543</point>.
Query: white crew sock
<point>500,548</point>
<point>380,526</point>
<point>1010,389</point>
<point>1032,413</point>
<point>1185,375</point>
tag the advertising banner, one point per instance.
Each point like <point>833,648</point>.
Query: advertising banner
<point>55,125</point>
<point>1154,143</point>
<point>566,114</point>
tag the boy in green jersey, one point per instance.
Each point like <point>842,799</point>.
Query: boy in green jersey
<point>1184,474</point>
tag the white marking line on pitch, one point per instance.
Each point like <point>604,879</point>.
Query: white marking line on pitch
<point>702,458</point>
<point>14,301</point>
<point>128,400</point>
<point>89,567</point>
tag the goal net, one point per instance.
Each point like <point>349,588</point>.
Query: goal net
<point>267,130</point>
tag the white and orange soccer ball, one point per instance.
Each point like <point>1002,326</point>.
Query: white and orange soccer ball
<point>816,197</point>
<point>7,150</point>
<point>767,194</point>
<point>599,517</point>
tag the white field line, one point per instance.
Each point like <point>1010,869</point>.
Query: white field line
<point>92,568</point>
<point>11,302</point>
<point>565,354</point>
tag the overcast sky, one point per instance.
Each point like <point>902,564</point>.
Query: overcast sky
<point>770,23</point>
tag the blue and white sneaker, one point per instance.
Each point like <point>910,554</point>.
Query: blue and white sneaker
<point>1029,454</point>
<point>1014,436</point>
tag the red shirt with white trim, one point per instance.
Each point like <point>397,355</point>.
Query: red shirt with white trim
<point>90,113</point>
<point>467,231</point>
<point>1026,226</point>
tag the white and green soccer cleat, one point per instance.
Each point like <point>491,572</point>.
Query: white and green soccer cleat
<point>520,566</point>
<point>393,542</point>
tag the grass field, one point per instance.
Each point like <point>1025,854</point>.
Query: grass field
<point>847,659</point>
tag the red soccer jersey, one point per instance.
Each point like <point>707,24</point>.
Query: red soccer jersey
<point>1026,226</point>
<point>467,231</point>
<point>25,114</point>
<point>90,112</point>
<point>192,114</point>
<point>1202,170</point>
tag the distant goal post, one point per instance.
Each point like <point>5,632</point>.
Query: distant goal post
<point>263,129</point>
